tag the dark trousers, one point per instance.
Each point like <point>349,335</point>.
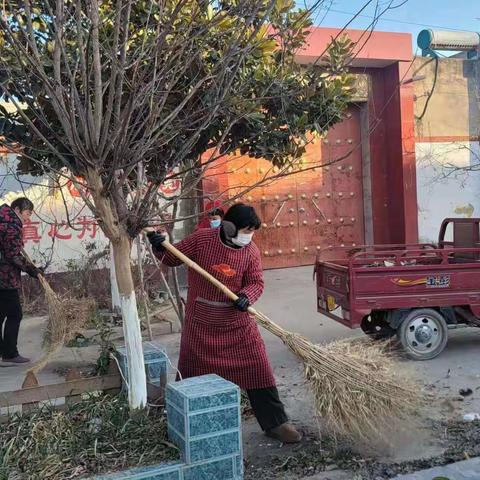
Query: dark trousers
<point>10,318</point>
<point>267,407</point>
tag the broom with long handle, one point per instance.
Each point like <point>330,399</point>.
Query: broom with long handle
<point>356,387</point>
<point>66,316</point>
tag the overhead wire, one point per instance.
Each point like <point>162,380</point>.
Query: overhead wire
<point>392,20</point>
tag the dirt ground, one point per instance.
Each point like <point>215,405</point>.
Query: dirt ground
<point>440,435</point>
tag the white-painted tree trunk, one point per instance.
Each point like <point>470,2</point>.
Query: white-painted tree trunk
<point>137,381</point>
<point>116,304</point>
<point>121,247</point>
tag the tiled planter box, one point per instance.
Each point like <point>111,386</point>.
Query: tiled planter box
<point>155,362</point>
<point>204,421</point>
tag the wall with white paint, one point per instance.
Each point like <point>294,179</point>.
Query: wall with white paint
<point>445,185</point>
<point>447,131</point>
<point>63,231</point>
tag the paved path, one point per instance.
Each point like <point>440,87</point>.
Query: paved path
<point>466,470</point>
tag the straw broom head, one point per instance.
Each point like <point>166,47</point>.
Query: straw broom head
<point>357,387</point>
<point>66,317</point>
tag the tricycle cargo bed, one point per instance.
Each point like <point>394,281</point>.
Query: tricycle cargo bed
<point>385,278</point>
<point>332,288</point>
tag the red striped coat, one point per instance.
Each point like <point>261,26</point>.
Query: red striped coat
<point>217,338</point>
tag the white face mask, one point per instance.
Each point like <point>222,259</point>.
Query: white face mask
<point>242,239</point>
<point>215,223</point>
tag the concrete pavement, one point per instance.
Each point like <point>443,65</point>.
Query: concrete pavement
<point>466,470</point>
<point>290,300</point>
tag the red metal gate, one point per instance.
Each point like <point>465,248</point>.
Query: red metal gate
<point>308,210</point>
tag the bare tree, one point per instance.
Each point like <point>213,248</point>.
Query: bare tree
<point>102,89</point>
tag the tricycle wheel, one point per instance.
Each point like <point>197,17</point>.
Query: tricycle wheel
<point>423,334</point>
<point>376,327</point>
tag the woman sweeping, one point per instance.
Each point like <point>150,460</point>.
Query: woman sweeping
<point>220,336</point>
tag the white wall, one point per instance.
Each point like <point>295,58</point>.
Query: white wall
<point>71,243</point>
<point>443,191</point>
<point>49,237</point>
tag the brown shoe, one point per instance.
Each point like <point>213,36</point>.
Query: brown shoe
<point>285,433</point>
<point>18,360</point>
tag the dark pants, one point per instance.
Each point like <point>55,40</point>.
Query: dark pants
<point>10,318</point>
<point>267,407</point>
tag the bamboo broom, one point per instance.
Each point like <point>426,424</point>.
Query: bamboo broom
<point>357,388</point>
<point>66,317</point>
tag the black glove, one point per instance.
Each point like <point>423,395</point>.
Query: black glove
<point>242,303</point>
<point>34,271</point>
<point>156,239</point>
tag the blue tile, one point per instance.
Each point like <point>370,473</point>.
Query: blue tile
<point>213,421</point>
<point>204,422</point>
<point>206,401</point>
<point>165,476</point>
<point>206,384</point>
<point>222,469</point>
<point>154,349</point>
<point>154,359</point>
<point>188,382</point>
<point>215,446</point>
<point>152,355</point>
<point>178,441</point>
<point>239,466</point>
<point>176,419</point>
<point>174,397</point>
<point>205,392</point>
<point>156,371</point>
<point>152,472</point>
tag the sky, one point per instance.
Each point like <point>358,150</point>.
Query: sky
<point>412,17</point>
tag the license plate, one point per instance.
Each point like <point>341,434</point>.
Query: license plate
<point>331,303</point>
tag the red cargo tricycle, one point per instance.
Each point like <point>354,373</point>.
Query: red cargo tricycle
<point>417,292</point>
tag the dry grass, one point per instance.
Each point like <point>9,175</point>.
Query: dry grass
<point>66,317</point>
<point>96,435</point>
<point>359,389</point>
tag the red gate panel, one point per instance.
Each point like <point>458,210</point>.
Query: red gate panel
<point>308,210</point>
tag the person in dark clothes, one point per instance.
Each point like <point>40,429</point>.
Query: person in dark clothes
<point>220,336</point>
<point>12,263</point>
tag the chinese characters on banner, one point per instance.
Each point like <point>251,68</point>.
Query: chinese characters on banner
<point>171,187</point>
<point>73,188</point>
<point>30,232</point>
<point>84,227</point>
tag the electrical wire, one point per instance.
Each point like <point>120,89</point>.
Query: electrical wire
<point>392,20</point>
